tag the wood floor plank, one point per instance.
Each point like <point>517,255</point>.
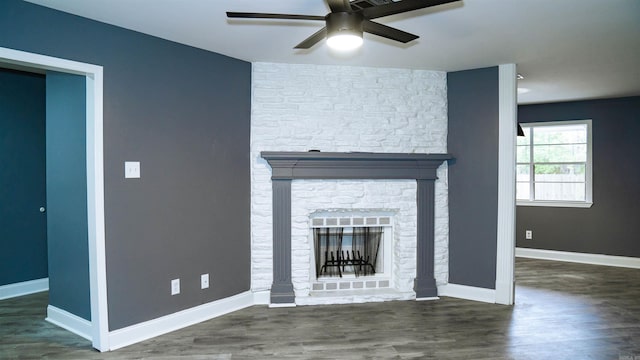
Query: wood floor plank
<point>562,311</point>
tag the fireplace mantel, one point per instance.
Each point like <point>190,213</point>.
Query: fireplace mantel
<point>288,166</point>
<point>353,165</point>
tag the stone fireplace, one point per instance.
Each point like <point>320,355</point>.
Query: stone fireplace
<point>347,109</point>
<point>291,255</point>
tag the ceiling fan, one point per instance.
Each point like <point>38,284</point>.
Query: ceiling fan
<point>347,21</point>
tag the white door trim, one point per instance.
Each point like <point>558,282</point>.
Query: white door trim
<point>95,178</point>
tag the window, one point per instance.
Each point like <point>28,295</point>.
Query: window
<point>554,164</point>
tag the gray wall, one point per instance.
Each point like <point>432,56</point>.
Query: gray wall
<point>67,229</point>
<point>184,113</point>
<point>23,237</point>
<point>611,225</point>
<point>473,176</point>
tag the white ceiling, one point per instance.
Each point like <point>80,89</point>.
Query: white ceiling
<point>566,49</point>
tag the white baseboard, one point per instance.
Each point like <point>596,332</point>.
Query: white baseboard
<point>152,328</point>
<point>69,321</point>
<point>284,305</point>
<point>467,292</point>
<point>24,288</point>
<point>262,297</point>
<point>594,259</point>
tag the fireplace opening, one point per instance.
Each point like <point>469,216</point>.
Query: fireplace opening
<point>348,251</point>
<point>351,250</point>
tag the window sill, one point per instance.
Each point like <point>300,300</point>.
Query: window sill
<point>570,204</point>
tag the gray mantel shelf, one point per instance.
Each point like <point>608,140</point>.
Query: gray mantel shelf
<point>287,166</point>
<point>353,165</point>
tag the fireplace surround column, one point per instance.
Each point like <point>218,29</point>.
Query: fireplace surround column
<point>425,283</point>
<point>288,166</point>
<point>282,288</point>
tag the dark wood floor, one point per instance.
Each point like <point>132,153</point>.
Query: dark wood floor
<point>562,311</point>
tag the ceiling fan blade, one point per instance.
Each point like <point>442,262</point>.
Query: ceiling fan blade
<point>339,5</point>
<point>313,39</point>
<point>245,15</point>
<point>400,7</point>
<point>387,32</point>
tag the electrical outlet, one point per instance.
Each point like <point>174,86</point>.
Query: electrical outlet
<point>175,286</point>
<point>204,281</point>
<point>132,169</point>
<point>528,234</point>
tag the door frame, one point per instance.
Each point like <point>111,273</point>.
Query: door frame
<point>95,178</point>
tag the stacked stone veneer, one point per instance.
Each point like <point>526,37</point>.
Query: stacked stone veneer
<point>342,109</point>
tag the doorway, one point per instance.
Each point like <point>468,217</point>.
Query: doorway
<point>23,227</point>
<point>44,207</point>
<point>94,175</point>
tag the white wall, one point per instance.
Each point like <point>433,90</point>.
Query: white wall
<point>339,108</point>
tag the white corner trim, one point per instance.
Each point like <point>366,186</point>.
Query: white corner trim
<point>583,258</point>
<point>507,120</point>
<point>262,297</point>
<point>467,293</point>
<point>69,321</point>
<point>152,328</point>
<point>23,288</point>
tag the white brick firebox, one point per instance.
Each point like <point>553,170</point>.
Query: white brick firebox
<point>335,108</point>
<point>397,196</point>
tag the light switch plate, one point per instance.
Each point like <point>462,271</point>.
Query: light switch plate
<point>132,169</point>
<point>175,286</point>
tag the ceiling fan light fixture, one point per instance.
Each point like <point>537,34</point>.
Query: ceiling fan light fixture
<point>344,30</point>
<point>344,41</point>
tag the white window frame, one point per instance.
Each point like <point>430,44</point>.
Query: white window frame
<point>588,202</point>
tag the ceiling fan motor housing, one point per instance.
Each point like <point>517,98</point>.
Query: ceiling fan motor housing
<point>344,23</point>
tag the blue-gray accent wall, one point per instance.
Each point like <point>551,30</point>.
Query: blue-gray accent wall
<point>611,225</point>
<point>23,237</point>
<point>67,228</point>
<point>184,113</point>
<point>473,176</point>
